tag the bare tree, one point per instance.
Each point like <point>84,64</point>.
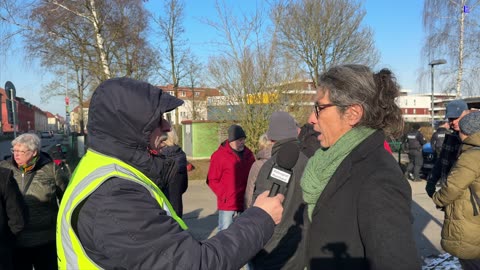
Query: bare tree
<point>453,31</point>
<point>65,38</point>
<point>175,53</point>
<point>324,33</point>
<point>194,76</point>
<point>247,70</point>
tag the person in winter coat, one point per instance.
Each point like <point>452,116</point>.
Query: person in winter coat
<point>455,110</point>
<point>228,175</point>
<point>415,142</point>
<point>285,250</point>
<point>263,154</point>
<point>358,202</point>
<point>113,214</point>
<point>179,184</point>
<point>12,219</point>
<point>35,174</point>
<point>459,197</point>
<point>439,136</point>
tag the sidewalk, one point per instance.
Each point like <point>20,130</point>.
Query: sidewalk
<point>201,216</point>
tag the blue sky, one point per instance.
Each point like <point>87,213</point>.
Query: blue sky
<point>397,27</point>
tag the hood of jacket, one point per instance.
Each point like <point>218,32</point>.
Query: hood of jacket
<point>122,115</point>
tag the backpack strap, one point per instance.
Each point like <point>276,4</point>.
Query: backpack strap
<point>30,179</point>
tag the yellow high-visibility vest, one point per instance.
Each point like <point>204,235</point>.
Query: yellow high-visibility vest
<point>91,172</point>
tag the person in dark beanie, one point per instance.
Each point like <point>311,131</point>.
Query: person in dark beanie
<point>415,141</point>
<point>459,197</point>
<point>286,248</point>
<point>455,110</point>
<point>228,175</point>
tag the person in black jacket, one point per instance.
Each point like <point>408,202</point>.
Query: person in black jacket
<point>121,224</point>
<point>179,184</point>
<point>12,218</point>
<point>439,136</point>
<point>358,202</point>
<point>415,142</point>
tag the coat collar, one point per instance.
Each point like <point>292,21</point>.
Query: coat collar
<point>343,172</point>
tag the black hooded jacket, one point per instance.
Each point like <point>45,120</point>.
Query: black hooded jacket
<point>120,225</point>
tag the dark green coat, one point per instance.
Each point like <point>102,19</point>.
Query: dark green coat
<point>40,200</point>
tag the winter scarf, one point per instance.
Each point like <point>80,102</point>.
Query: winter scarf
<point>323,164</point>
<point>29,166</point>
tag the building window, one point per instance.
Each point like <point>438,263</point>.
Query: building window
<point>414,111</point>
<point>182,93</point>
<point>171,93</point>
<point>197,94</point>
<point>183,114</point>
<point>414,102</point>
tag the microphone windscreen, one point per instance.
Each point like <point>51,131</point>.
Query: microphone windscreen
<point>288,155</point>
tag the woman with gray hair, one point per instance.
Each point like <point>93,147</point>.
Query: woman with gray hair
<point>358,201</point>
<point>34,172</point>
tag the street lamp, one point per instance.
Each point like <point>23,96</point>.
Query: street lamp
<point>432,64</point>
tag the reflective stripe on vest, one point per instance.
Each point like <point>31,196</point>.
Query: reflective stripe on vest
<point>93,170</point>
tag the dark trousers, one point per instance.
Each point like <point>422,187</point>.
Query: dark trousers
<point>415,162</point>
<point>175,192</point>
<point>5,257</point>
<point>470,264</point>
<point>43,257</point>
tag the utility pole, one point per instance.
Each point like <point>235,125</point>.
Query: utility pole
<point>432,64</point>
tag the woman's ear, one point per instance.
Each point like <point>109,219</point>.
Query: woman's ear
<point>354,114</point>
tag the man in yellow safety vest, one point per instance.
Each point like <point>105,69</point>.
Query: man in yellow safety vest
<point>113,214</point>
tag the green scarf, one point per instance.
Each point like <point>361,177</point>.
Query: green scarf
<point>29,166</point>
<point>324,163</point>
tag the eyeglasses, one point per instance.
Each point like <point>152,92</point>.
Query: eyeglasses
<point>19,151</point>
<point>319,107</point>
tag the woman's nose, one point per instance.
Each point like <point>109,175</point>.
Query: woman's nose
<point>312,119</point>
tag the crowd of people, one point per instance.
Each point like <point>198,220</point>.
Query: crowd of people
<point>345,202</point>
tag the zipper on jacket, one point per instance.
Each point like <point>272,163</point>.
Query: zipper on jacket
<point>23,180</point>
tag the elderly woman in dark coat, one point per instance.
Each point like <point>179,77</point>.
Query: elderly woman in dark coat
<point>35,174</point>
<point>179,184</point>
<point>358,201</point>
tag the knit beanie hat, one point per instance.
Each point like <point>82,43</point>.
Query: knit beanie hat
<point>470,123</point>
<point>281,126</point>
<point>235,132</point>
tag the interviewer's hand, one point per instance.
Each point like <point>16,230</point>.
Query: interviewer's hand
<point>271,205</point>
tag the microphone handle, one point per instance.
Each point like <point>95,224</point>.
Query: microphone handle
<point>274,190</point>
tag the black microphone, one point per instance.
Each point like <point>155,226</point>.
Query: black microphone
<point>281,172</point>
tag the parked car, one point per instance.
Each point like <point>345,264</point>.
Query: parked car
<point>45,134</point>
<point>429,159</point>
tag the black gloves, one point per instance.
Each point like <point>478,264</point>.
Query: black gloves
<point>430,188</point>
